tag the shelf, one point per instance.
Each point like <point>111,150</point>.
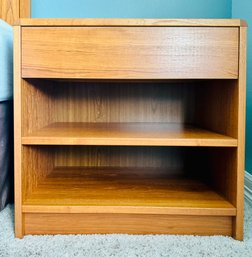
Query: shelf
<point>124,190</point>
<point>133,133</point>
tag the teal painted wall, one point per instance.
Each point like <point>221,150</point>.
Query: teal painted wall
<point>131,8</point>
<point>243,9</point>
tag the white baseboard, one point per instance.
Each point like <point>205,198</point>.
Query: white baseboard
<point>248,187</point>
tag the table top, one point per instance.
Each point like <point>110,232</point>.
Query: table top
<point>131,22</point>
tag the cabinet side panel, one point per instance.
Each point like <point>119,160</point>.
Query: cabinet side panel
<point>221,172</point>
<point>17,133</point>
<point>238,222</point>
<point>217,106</point>
<point>37,162</point>
<point>37,104</point>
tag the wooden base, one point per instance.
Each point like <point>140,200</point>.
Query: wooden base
<point>47,223</point>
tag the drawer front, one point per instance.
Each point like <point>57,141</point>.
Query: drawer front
<point>130,52</point>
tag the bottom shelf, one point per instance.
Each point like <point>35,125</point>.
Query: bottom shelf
<point>124,190</point>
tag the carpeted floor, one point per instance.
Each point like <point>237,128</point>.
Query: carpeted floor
<point>121,245</point>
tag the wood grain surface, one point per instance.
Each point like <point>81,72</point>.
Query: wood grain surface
<point>9,10</point>
<point>12,10</point>
<point>129,53</point>
<point>241,94</point>
<point>211,105</point>
<point>132,133</point>
<point>47,101</point>
<point>110,186</point>
<point>132,22</point>
<point>18,176</point>
<point>129,126</point>
<point>126,223</point>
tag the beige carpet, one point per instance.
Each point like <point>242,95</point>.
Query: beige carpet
<point>121,245</point>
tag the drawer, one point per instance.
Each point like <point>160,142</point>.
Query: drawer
<point>130,52</point>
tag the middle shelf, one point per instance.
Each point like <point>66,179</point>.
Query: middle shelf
<point>127,133</point>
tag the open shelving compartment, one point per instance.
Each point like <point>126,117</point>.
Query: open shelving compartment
<point>151,113</point>
<point>107,155</point>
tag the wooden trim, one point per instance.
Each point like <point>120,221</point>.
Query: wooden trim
<point>133,22</point>
<point>17,133</point>
<point>9,10</point>
<point>216,142</point>
<point>42,223</point>
<point>12,10</point>
<point>129,209</point>
<point>25,9</point>
<point>131,133</point>
<point>238,221</point>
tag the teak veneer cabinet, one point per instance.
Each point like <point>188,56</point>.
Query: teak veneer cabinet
<point>129,126</point>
